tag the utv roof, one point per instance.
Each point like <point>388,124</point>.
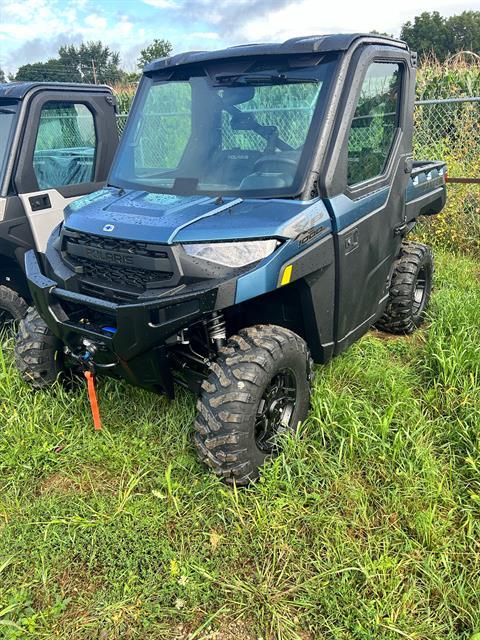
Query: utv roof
<point>19,90</point>
<point>305,45</point>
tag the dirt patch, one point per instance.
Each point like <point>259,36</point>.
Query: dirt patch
<point>76,580</point>
<point>240,631</point>
<point>76,619</point>
<point>417,337</point>
<point>223,631</point>
<point>57,483</point>
<point>76,584</point>
<point>384,336</point>
<point>231,631</point>
<point>83,480</point>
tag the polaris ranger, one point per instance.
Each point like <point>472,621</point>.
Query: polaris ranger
<point>254,222</point>
<point>56,144</point>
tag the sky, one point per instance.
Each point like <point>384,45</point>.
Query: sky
<point>33,30</point>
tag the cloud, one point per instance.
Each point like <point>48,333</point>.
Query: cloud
<point>281,21</point>
<point>95,21</point>
<point>39,49</point>
<point>122,28</point>
<point>162,4</point>
<point>232,18</point>
<point>21,20</point>
<point>32,30</point>
<point>202,35</point>
<point>238,21</point>
<point>24,23</point>
<point>23,10</point>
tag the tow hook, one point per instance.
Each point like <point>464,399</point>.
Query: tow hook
<point>85,356</point>
<point>90,350</point>
<point>85,360</point>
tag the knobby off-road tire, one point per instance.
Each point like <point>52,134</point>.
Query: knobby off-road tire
<point>410,290</point>
<point>12,307</point>
<point>247,394</point>
<point>38,354</point>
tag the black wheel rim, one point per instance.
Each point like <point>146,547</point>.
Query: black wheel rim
<point>275,411</point>
<point>419,292</point>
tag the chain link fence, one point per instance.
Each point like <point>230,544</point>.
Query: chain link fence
<point>449,130</point>
<point>446,130</point>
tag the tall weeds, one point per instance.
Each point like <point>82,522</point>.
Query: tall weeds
<point>451,132</point>
<point>458,76</point>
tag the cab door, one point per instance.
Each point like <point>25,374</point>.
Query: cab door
<point>367,190</point>
<point>70,137</point>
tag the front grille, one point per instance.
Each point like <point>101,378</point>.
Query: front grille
<point>131,277</point>
<point>112,263</point>
<point>115,244</point>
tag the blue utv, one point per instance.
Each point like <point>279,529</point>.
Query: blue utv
<point>254,222</point>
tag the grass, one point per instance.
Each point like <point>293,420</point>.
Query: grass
<point>366,528</point>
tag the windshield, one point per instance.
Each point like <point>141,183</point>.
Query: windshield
<point>8,114</point>
<point>222,131</point>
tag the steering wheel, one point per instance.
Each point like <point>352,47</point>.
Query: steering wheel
<point>289,162</point>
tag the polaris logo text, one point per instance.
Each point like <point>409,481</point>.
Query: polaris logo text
<point>108,256</point>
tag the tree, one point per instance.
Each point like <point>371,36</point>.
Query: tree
<point>89,62</point>
<point>465,31</point>
<point>158,49</point>
<point>50,71</point>
<point>2,75</point>
<point>131,77</point>
<point>432,33</point>
<point>92,62</point>
<point>374,32</point>
<point>427,34</point>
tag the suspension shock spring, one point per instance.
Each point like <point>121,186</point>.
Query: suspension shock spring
<point>217,330</point>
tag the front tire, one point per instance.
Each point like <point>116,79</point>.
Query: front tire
<point>12,307</point>
<point>258,388</point>
<point>38,353</point>
<point>410,290</point>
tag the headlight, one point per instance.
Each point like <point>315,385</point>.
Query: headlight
<point>232,254</point>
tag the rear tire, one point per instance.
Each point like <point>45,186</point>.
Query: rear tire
<point>38,354</point>
<point>258,388</point>
<point>410,290</point>
<point>12,307</point>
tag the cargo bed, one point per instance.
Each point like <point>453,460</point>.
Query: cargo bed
<point>426,190</point>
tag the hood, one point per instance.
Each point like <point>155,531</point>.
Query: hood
<point>167,218</point>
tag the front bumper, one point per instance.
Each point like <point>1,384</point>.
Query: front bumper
<point>137,350</point>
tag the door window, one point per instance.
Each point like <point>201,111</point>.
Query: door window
<point>65,146</point>
<point>375,122</point>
